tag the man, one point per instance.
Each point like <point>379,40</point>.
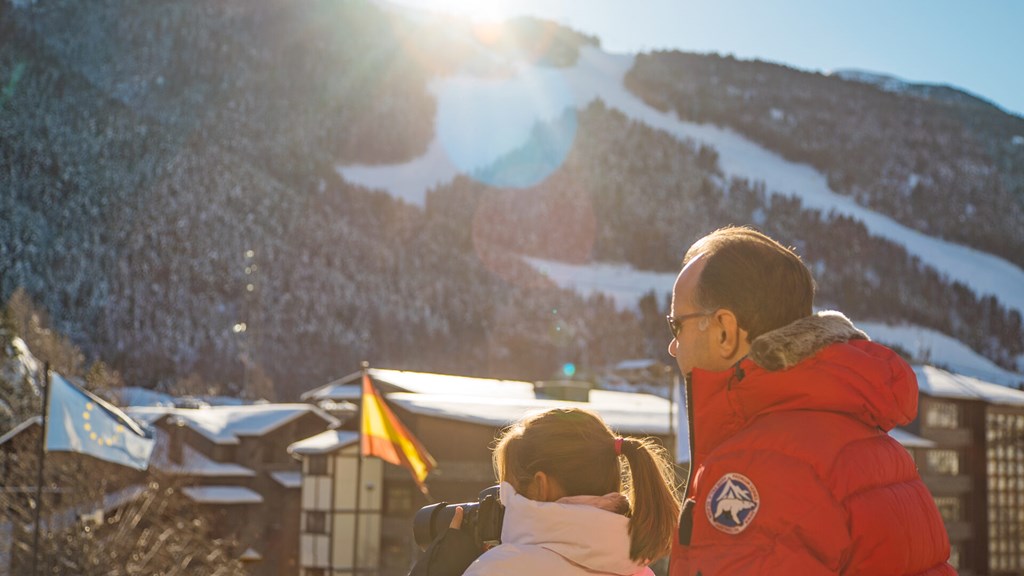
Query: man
<point>792,469</point>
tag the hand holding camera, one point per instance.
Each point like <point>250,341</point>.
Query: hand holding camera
<point>454,535</point>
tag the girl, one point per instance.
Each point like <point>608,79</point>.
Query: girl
<point>562,474</point>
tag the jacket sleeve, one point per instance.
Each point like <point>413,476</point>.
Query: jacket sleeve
<point>762,512</point>
<point>448,555</point>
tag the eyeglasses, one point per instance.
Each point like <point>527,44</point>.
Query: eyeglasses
<point>675,323</point>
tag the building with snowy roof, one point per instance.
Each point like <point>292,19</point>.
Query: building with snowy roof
<point>230,463</point>
<point>974,467</point>
<point>457,418</point>
<point>281,479</point>
<point>968,442</point>
<point>235,466</point>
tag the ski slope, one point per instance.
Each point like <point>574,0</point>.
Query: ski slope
<point>599,75</point>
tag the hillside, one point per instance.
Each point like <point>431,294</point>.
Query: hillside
<point>934,158</point>
<point>171,198</point>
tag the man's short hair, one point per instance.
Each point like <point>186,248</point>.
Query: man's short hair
<point>763,283</point>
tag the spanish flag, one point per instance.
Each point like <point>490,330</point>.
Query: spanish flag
<point>384,436</point>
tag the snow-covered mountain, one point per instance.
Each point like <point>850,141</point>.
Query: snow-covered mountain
<point>599,76</point>
<point>251,192</point>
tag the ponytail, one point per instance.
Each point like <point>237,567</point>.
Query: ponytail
<point>655,506</point>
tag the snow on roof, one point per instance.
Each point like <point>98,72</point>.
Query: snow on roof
<point>334,391</point>
<point>288,479</point>
<point>195,463</point>
<point>426,383</point>
<point>638,364</point>
<point>490,401</point>
<point>942,384</point>
<point>324,442</point>
<point>136,396</point>
<point>342,408</point>
<point>624,412</point>
<point>222,495</point>
<point>909,440</point>
<point>225,424</point>
<point>348,388</point>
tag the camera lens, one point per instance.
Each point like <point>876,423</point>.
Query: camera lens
<point>482,519</point>
<point>434,519</point>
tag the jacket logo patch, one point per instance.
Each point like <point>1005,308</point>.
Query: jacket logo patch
<point>732,503</point>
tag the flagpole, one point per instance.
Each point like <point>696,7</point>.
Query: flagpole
<point>42,463</point>
<point>359,468</point>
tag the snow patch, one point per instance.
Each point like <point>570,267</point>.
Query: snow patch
<point>623,283</point>
<point>933,347</point>
<point>626,285</point>
<point>913,180</point>
<point>883,81</point>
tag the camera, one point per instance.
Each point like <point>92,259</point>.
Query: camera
<point>482,518</point>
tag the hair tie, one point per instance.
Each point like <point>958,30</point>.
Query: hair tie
<point>618,446</point>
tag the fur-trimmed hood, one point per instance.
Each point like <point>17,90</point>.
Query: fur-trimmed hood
<point>787,346</point>
<point>818,363</point>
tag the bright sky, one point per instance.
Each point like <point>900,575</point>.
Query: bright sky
<point>976,46</point>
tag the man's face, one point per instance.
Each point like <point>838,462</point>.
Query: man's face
<point>691,347</point>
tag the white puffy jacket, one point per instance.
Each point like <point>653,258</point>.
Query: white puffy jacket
<point>574,536</point>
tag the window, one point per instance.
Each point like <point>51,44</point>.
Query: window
<point>1005,435</point>
<point>318,465</point>
<point>949,508</point>
<point>398,500</point>
<point>945,462</point>
<point>942,415</point>
<point>316,522</point>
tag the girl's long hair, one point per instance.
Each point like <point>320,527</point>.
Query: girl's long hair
<point>576,448</point>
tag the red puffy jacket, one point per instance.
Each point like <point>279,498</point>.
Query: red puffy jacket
<point>792,469</point>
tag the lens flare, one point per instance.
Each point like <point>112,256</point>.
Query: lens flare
<point>508,132</point>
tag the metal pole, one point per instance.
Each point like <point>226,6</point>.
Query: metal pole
<point>359,471</point>
<point>42,463</point>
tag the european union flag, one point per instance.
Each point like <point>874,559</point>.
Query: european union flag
<point>80,422</point>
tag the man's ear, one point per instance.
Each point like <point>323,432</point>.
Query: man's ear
<point>730,341</point>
